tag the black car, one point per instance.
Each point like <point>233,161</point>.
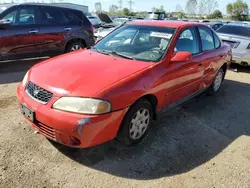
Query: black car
<point>34,30</point>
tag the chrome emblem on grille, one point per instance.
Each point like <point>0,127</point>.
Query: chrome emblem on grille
<point>36,92</point>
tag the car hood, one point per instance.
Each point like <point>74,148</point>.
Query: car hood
<point>104,18</point>
<point>82,73</point>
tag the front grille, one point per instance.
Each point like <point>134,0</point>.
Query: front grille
<point>37,93</point>
<point>46,130</point>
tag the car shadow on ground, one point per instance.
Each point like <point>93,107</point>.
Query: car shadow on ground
<point>14,71</point>
<point>238,68</point>
<point>181,139</point>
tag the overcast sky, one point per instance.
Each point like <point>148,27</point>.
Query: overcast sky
<point>142,5</point>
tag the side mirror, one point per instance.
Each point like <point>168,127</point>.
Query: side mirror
<point>4,24</point>
<point>182,57</point>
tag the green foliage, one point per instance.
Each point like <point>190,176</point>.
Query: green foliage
<point>125,12</point>
<point>238,10</point>
<point>216,14</point>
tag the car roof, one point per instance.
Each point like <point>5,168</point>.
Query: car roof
<point>43,4</point>
<point>164,23</point>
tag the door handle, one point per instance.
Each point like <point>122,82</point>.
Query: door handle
<point>33,31</point>
<point>67,29</point>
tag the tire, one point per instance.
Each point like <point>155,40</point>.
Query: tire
<point>215,86</point>
<point>141,114</point>
<point>74,46</point>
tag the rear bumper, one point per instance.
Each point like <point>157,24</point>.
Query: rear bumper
<point>75,130</point>
<point>241,58</point>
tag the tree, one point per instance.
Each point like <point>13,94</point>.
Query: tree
<point>230,9</point>
<point>113,8</point>
<point>178,8</point>
<point>210,5</point>
<point>125,12</point>
<point>98,7</point>
<point>216,14</point>
<point>161,9</point>
<point>191,6</point>
<point>238,10</point>
<point>201,7</point>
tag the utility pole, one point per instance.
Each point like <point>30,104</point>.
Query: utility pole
<point>130,2</point>
<point>120,2</point>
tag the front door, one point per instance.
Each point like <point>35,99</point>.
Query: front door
<point>21,36</point>
<point>184,78</point>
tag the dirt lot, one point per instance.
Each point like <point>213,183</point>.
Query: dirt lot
<point>203,143</point>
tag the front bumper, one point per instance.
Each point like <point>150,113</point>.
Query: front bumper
<point>241,58</point>
<point>75,130</point>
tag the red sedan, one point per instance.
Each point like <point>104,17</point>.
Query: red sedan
<point>116,88</point>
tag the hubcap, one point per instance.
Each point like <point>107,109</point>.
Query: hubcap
<point>218,80</point>
<point>75,47</point>
<point>139,123</point>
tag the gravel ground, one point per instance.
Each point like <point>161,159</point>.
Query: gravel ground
<point>203,143</point>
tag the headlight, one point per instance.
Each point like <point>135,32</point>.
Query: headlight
<point>25,79</point>
<point>82,105</point>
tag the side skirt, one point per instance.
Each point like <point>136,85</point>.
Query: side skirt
<point>170,106</point>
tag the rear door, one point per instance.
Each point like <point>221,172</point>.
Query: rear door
<point>212,56</point>
<point>20,38</point>
<point>184,78</point>
<point>53,29</point>
<point>79,26</point>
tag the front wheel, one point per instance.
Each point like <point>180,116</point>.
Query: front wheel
<point>215,86</point>
<point>136,123</point>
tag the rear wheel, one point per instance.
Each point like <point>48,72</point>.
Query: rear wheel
<point>214,88</point>
<point>136,123</point>
<point>74,46</point>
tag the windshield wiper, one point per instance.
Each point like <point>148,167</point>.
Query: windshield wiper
<point>100,51</point>
<point>119,54</point>
<point>108,52</point>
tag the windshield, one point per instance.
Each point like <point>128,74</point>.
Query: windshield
<point>94,20</point>
<point>119,21</point>
<point>145,43</point>
<point>235,30</point>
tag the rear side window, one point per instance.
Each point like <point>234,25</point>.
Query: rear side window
<point>207,40</point>
<point>73,17</point>
<point>52,16</point>
<point>235,30</point>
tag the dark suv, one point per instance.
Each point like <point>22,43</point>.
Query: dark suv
<point>35,30</point>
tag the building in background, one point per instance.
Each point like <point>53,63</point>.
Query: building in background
<point>83,8</point>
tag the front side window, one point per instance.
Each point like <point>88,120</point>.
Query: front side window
<point>207,40</point>
<point>188,42</point>
<point>21,16</point>
<point>145,43</point>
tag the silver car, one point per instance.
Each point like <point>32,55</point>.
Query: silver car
<point>238,37</point>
